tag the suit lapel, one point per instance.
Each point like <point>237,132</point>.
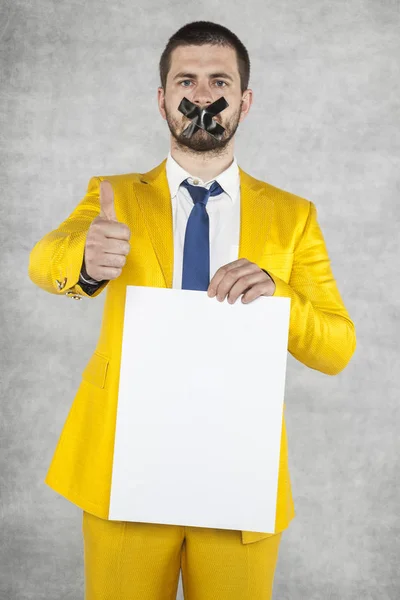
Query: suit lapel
<point>256,216</point>
<point>153,196</point>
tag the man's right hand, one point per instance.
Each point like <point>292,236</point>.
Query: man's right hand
<point>107,242</point>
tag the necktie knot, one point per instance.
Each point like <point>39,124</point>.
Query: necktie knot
<point>200,193</point>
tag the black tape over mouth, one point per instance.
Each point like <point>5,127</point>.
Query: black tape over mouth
<point>202,118</point>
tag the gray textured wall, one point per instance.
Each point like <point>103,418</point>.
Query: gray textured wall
<point>78,98</point>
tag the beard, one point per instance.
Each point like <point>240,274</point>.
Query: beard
<point>201,141</point>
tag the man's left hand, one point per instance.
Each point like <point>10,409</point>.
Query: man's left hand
<point>240,277</point>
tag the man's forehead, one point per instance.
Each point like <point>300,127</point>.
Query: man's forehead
<point>206,57</point>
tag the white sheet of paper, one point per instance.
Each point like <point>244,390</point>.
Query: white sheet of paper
<point>200,408</point>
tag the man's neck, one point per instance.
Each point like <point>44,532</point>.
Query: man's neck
<point>204,165</point>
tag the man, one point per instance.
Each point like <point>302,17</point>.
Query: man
<point>196,221</point>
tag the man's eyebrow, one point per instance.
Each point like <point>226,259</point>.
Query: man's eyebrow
<point>212,75</point>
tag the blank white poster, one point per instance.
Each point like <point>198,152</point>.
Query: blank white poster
<point>200,410</point>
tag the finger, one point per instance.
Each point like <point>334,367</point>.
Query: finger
<point>117,246</point>
<point>260,289</point>
<point>220,274</point>
<point>244,285</point>
<point>107,208</point>
<point>231,276</point>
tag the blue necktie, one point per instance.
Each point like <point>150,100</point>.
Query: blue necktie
<point>196,251</point>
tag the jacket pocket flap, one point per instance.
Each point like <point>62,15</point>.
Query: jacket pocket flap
<point>95,371</point>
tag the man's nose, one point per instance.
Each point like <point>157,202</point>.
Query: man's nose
<point>203,96</point>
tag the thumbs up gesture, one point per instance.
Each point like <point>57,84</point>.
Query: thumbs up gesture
<point>107,242</point>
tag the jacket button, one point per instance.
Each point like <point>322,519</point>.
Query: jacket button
<point>61,284</point>
<point>73,295</point>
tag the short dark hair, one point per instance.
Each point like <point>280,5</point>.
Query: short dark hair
<point>199,33</point>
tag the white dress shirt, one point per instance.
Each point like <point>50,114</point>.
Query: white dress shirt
<point>223,212</point>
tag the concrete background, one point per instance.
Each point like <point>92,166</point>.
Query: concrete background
<point>78,98</point>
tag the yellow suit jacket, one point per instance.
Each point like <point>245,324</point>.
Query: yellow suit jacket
<point>278,231</point>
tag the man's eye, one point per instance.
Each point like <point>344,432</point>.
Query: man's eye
<point>218,81</point>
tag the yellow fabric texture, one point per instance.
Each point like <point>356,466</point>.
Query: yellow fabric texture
<point>142,561</point>
<point>279,232</point>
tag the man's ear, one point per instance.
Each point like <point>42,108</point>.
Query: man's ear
<point>247,99</point>
<point>161,102</point>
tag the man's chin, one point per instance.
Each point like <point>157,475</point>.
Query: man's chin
<point>200,141</point>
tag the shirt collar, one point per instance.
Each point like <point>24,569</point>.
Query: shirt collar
<point>228,179</point>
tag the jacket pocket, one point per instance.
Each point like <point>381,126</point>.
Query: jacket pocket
<point>96,369</point>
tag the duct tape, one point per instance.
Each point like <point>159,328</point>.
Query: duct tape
<point>202,118</point>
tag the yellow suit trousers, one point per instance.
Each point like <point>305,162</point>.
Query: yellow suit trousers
<point>126,560</point>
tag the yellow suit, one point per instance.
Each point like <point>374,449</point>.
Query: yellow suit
<point>278,231</point>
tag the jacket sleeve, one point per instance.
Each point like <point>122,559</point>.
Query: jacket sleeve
<point>56,260</point>
<point>321,333</point>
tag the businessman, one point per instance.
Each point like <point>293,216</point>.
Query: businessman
<point>195,221</point>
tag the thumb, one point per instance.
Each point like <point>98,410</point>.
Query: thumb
<point>107,209</point>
